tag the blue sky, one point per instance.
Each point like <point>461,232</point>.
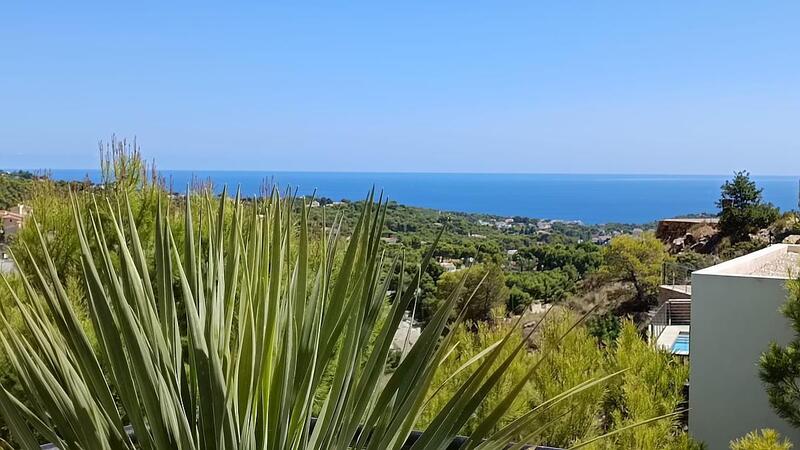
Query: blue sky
<point>562,86</point>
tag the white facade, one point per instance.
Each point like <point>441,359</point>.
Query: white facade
<point>735,315</point>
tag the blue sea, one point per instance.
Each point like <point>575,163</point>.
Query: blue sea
<point>592,199</point>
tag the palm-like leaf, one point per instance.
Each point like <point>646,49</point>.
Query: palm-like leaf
<point>262,324</point>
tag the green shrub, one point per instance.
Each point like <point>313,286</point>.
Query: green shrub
<point>233,356</point>
<point>605,328</point>
<point>787,224</point>
<point>649,385</point>
<point>766,439</point>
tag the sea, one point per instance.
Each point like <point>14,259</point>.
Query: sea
<point>591,199</point>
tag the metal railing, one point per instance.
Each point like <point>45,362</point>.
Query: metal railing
<point>677,276</point>
<point>672,312</point>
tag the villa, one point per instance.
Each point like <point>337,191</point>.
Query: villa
<point>735,310</point>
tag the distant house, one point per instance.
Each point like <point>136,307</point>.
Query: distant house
<point>391,240</point>
<point>13,219</point>
<point>602,239</point>
<point>448,266</point>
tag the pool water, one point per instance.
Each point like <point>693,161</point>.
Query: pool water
<point>681,344</point>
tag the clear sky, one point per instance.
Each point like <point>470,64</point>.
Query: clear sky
<point>458,86</point>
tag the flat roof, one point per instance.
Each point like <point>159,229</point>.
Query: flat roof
<point>692,219</point>
<point>780,261</point>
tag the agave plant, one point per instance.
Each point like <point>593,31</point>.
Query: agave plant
<point>223,343</point>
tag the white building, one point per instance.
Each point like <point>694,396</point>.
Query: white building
<point>735,315</point>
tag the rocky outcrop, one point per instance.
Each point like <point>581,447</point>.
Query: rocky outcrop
<point>700,238</point>
<point>669,229</point>
<point>792,239</point>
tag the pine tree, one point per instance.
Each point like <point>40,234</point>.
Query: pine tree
<point>780,365</point>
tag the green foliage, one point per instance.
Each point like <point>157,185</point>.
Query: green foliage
<point>605,328</point>
<point>14,188</point>
<point>728,250</point>
<point>742,210</point>
<point>232,357</point>
<point>122,167</point>
<point>471,340</point>
<point>779,366</point>
<point>694,260</point>
<point>637,260</point>
<point>576,356</point>
<point>548,286</point>
<point>53,217</point>
<point>787,224</point>
<point>584,257</point>
<point>766,439</point>
<point>650,384</point>
<point>484,284</point>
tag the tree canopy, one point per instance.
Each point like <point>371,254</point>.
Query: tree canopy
<point>780,365</point>
<point>742,209</point>
<point>636,260</point>
<point>489,293</point>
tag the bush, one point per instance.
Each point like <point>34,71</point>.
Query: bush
<point>766,439</point>
<point>605,328</point>
<point>652,387</point>
<point>695,260</point>
<point>787,224</point>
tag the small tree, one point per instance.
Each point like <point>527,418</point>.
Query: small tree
<point>780,365</point>
<point>491,292</point>
<point>742,211</point>
<point>636,260</point>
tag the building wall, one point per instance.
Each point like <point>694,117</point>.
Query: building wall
<point>734,318</point>
<point>11,226</point>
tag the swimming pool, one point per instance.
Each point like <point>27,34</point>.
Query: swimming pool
<point>681,344</point>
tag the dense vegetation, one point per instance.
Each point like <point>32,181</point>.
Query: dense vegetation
<point>496,268</point>
<point>766,439</point>
<point>652,389</point>
<point>14,187</point>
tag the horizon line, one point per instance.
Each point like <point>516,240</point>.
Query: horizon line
<point>414,172</point>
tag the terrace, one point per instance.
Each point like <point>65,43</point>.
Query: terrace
<point>669,328</point>
<point>669,325</point>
